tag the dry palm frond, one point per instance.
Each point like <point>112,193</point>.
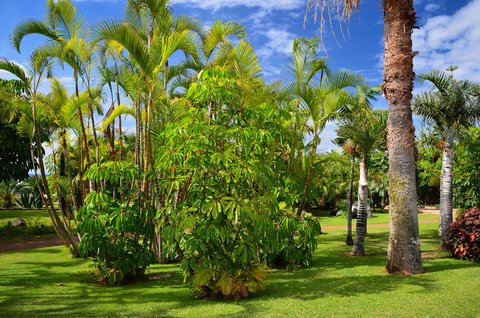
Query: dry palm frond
<point>343,9</point>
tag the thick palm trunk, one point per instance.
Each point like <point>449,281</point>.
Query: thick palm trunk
<point>349,240</point>
<point>446,189</point>
<point>404,254</point>
<point>359,247</point>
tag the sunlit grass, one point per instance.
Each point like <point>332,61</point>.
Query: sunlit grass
<point>376,218</point>
<point>48,282</point>
<point>29,216</point>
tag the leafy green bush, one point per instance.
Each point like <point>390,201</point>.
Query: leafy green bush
<point>34,228</point>
<point>222,208</point>
<point>465,235</point>
<point>466,183</point>
<point>116,231</point>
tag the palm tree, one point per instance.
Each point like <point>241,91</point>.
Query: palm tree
<point>449,105</point>
<point>404,255</point>
<point>366,130</point>
<point>150,46</point>
<point>33,119</point>
<point>65,30</point>
<point>320,103</point>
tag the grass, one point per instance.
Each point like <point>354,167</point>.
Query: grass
<point>39,225</point>
<point>47,282</point>
<point>30,216</point>
<point>376,218</point>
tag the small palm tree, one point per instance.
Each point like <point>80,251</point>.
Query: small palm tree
<point>320,103</point>
<point>32,121</point>
<point>449,105</point>
<point>366,130</point>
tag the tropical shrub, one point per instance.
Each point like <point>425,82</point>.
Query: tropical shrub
<point>466,181</point>
<point>29,196</point>
<point>218,169</point>
<point>117,230</point>
<point>465,235</point>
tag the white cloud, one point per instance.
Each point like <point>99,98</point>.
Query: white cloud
<point>266,5</point>
<point>432,7</point>
<point>278,42</point>
<point>450,40</point>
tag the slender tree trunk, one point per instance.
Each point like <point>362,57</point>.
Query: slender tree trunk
<point>309,170</point>
<point>85,152</point>
<point>120,133</point>
<point>349,240</point>
<point>359,247</point>
<point>446,189</point>
<point>42,184</point>
<point>404,255</point>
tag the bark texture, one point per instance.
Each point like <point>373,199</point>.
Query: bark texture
<point>349,240</point>
<point>359,247</point>
<point>446,189</point>
<point>404,254</point>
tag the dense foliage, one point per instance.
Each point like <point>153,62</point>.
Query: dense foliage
<point>465,235</point>
<point>115,230</point>
<point>466,185</point>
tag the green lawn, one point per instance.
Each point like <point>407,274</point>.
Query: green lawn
<point>39,225</point>
<point>48,282</point>
<point>29,216</point>
<point>376,218</point>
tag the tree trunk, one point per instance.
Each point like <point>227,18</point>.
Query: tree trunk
<point>446,189</point>
<point>120,133</point>
<point>85,150</point>
<point>309,171</point>
<point>42,184</point>
<point>349,240</point>
<point>358,248</point>
<point>404,254</point>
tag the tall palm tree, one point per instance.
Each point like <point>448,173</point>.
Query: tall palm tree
<point>150,45</point>
<point>366,130</point>
<point>449,105</point>
<point>65,30</point>
<point>404,255</point>
<point>32,119</point>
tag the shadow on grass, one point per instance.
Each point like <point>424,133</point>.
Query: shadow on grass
<point>50,286</point>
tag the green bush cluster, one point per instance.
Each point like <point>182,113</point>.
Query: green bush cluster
<point>34,228</point>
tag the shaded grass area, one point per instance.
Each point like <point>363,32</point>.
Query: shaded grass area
<point>47,282</point>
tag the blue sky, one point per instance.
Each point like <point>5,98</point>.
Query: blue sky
<point>449,34</point>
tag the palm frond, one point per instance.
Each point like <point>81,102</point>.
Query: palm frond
<point>28,27</point>
<point>14,69</point>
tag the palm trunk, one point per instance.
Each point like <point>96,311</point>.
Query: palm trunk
<point>85,151</point>
<point>309,171</point>
<point>42,184</point>
<point>359,247</point>
<point>349,240</point>
<point>404,255</point>
<point>120,133</point>
<point>446,189</point>
<point>94,131</point>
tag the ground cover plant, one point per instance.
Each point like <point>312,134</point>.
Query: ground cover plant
<point>32,283</point>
